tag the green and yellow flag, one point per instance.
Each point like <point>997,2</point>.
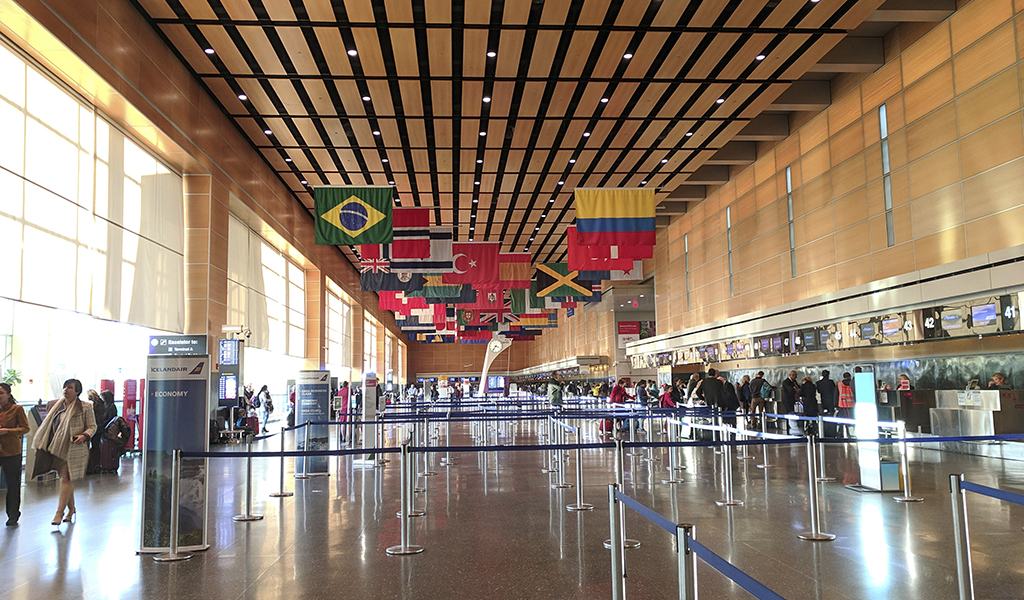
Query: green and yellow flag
<point>353,215</point>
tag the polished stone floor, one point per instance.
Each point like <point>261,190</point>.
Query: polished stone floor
<point>494,528</point>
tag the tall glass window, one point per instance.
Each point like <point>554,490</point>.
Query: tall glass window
<point>339,331</point>
<point>792,225</point>
<point>686,266</point>
<point>728,239</point>
<point>883,129</point>
<point>370,345</point>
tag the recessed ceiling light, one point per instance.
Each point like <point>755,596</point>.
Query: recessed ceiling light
<point>644,182</point>
<point>483,133</point>
<point>303,182</point>
<point>471,239</point>
<point>366,98</point>
<point>391,183</point>
<point>720,100</point>
<point>572,161</point>
<point>487,98</point>
<point>664,160</point>
<point>604,100</point>
<point>551,201</point>
<point>243,97</point>
<point>627,56</point>
<point>475,200</point>
<point>383,160</point>
<point>492,54</point>
<point>208,50</point>
<point>531,239</point>
<point>352,53</point>
<point>479,161</point>
<point>376,133</point>
<point>759,57</point>
<point>476,183</point>
<point>689,133</point>
<point>641,295</point>
<point>544,215</point>
<point>536,228</point>
<point>561,183</point>
<point>267,131</point>
<point>287,160</point>
<point>472,228</point>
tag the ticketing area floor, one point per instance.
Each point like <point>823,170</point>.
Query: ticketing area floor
<point>494,528</point>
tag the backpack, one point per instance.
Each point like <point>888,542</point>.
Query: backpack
<point>270,406</point>
<point>118,432</point>
<point>256,402</point>
<point>767,390</point>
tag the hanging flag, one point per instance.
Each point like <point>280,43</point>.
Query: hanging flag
<point>434,287</point>
<point>514,269</point>
<point>626,254</point>
<point>492,300</point>
<point>474,262</point>
<point>555,279</point>
<point>411,233</point>
<point>439,260</point>
<point>519,302</point>
<point>467,295</point>
<point>398,302</point>
<point>468,316</point>
<point>634,273</point>
<point>590,258</point>
<point>615,217</point>
<point>535,300</point>
<point>353,215</point>
<point>570,312</point>
<point>375,265</point>
<point>393,282</point>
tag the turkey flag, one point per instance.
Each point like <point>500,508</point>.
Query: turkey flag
<point>474,262</point>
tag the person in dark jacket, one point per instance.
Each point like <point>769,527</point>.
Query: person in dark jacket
<point>828,392</point>
<point>809,398</point>
<point>756,400</point>
<point>109,409</point>
<point>678,392</point>
<point>790,391</point>
<point>730,401</point>
<point>711,389</point>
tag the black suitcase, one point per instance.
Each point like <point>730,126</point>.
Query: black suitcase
<point>110,457</point>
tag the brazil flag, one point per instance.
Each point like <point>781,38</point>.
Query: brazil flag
<point>353,215</point>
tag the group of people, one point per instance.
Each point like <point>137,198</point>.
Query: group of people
<point>251,405</point>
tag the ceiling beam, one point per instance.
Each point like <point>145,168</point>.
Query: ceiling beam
<point>708,175</point>
<point>690,193</point>
<point>852,55</point>
<point>671,207</point>
<point>734,153</point>
<point>918,11</point>
<point>660,222</point>
<point>765,127</point>
<point>810,96</point>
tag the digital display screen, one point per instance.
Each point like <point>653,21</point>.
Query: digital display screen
<point>729,349</point>
<point>983,315</point>
<point>867,330</point>
<point>228,387</point>
<point>777,343</point>
<point>809,341</point>
<point>765,344</point>
<point>228,353</point>
<point>890,326</point>
<point>824,337</point>
<point>952,321</point>
<point>496,382</point>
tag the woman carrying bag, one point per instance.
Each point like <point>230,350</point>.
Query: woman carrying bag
<point>61,444</point>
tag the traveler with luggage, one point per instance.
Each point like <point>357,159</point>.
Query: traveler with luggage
<point>13,425</point>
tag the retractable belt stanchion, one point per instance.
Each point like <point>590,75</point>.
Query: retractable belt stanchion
<point>672,467</point>
<point>549,466</point>
<point>615,543</point>
<point>173,555</point>
<point>907,495</point>
<point>746,455</point>
<point>962,538</point>
<point>282,493</point>
<point>620,479</point>
<point>687,561</point>
<point>814,535</point>
<point>632,438</point>
<point>580,505</point>
<point>822,477</point>
<point>305,459</point>
<point>381,460</point>
<point>407,468</point>
<point>727,450</point>
<point>560,461</point>
<point>427,471</point>
<point>447,460</point>
<point>764,447</point>
<point>248,516</point>
<point>716,434</point>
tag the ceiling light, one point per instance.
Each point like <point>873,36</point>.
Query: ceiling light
<point>366,98</point>
<point>391,183</point>
<point>604,100</point>
<point>267,131</point>
<point>479,161</point>
<point>586,134</point>
<point>536,228</point>
<point>376,133</point>
<point>487,98</point>
<point>572,161</point>
<point>759,57</point>
<point>243,97</point>
<point>641,295</point>
<point>287,160</point>
<point>352,53</point>
<point>544,215</point>
<point>492,54</point>
<point>383,160</point>
<point>664,160</point>
<point>476,183</point>
<point>472,228</point>
<point>720,100</point>
<point>551,201</point>
<point>644,182</point>
<point>475,200</point>
<point>531,239</point>
<point>208,50</point>
<point>627,56</point>
<point>483,133</point>
<point>689,133</point>
<point>561,182</point>
<point>303,182</point>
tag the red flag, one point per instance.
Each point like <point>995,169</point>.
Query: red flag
<point>474,262</point>
<point>514,269</point>
<point>487,300</point>
<point>593,258</point>
<point>411,233</point>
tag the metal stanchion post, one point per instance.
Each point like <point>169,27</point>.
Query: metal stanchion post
<point>746,455</point>
<point>549,466</point>
<point>248,516</point>
<point>427,471</point>
<point>615,543</point>
<point>620,477</point>
<point>173,555</point>
<point>962,538</point>
<point>716,434</point>
<point>764,447</point>
<point>580,505</point>
<point>406,547</point>
<point>632,437</point>
<point>687,561</point>
<point>448,461</point>
<point>822,477</point>
<point>729,500</point>
<point>560,461</point>
<point>905,466</point>
<point>815,534</point>
<point>282,493</point>
<point>381,461</point>
<point>672,468</point>
<point>305,448</point>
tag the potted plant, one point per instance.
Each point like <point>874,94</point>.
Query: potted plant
<point>12,377</point>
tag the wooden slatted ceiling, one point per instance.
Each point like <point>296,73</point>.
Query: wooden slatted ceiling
<point>423,65</point>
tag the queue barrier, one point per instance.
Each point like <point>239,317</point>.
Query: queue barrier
<point>958,488</point>
<point>687,551</point>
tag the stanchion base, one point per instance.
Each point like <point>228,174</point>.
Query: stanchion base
<point>302,476</point>
<point>651,459</point>
<point>549,470</point>
<point>579,507</point>
<point>312,475</point>
<point>281,494</point>
<point>414,513</point>
<point>824,479</point>
<point>403,550</point>
<point>428,473</point>
<point>744,458</point>
<point>560,486</point>
<point>634,453</point>
<point>679,468</point>
<point>626,544</point>
<point>243,518</point>
<point>908,499</point>
<point>817,537</point>
<point>419,490</point>
<point>672,480</point>
<point>718,451</point>
<point>765,466</point>
<point>172,556</point>
<point>729,502</point>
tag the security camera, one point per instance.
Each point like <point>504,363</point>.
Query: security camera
<point>248,333</point>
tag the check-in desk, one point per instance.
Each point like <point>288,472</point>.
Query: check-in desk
<point>913,407</point>
<point>980,412</point>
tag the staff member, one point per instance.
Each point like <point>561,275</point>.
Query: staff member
<point>13,425</point>
<point>61,444</point>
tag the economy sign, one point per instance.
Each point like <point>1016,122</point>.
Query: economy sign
<point>312,403</point>
<point>177,416</point>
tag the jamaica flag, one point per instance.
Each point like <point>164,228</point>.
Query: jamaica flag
<point>353,215</point>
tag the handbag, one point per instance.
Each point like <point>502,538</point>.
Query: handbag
<point>43,464</point>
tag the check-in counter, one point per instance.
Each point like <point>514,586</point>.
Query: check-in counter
<point>913,407</point>
<point>978,412</point>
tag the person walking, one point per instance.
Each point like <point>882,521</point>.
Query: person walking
<point>60,445</point>
<point>13,425</point>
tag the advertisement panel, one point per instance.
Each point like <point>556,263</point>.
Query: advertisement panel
<point>312,403</point>
<point>628,331</point>
<point>177,416</point>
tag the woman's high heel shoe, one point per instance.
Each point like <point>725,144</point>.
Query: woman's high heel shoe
<point>56,521</point>
<point>71,516</point>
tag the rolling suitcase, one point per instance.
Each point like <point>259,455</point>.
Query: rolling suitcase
<point>110,457</point>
